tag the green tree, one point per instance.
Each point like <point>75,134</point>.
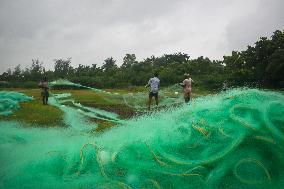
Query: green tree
<point>36,70</point>
<point>275,69</point>
<point>128,61</point>
<point>62,67</point>
<point>109,65</point>
<point>17,73</point>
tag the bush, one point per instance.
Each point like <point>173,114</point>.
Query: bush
<point>26,84</point>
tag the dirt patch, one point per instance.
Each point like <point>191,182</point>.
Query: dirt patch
<point>123,111</point>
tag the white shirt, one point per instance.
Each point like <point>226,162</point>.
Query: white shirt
<point>154,83</point>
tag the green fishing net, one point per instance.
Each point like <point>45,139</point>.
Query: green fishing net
<point>65,84</point>
<point>9,101</point>
<point>231,140</point>
<point>168,96</point>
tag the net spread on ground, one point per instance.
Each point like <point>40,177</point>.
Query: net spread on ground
<point>9,101</point>
<point>231,140</point>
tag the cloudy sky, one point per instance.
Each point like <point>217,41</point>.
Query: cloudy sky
<point>90,31</point>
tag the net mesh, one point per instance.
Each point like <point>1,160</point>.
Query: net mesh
<point>231,140</point>
<point>9,101</point>
<point>168,96</point>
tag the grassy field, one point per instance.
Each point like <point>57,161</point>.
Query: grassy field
<point>101,100</point>
<point>34,113</point>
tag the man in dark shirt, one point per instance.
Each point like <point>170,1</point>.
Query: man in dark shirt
<point>44,92</point>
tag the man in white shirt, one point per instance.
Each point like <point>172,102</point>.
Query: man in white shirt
<point>154,83</point>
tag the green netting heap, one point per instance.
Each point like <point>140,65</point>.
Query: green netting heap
<point>231,140</point>
<point>9,101</point>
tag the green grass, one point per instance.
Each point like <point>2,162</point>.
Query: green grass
<point>85,96</point>
<point>111,103</point>
<point>34,112</point>
<point>128,90</point>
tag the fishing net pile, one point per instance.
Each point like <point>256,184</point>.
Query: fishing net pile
<point>9,101</point>
<point>231,140</point>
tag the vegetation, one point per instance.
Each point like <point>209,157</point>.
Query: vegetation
<point>34,113</point>
<point>260,65</point>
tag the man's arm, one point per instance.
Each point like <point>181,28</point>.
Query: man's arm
<point>182,84</point>
<point>39,84</point>
<point>148,83</point>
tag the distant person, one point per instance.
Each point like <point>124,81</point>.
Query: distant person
<point>186,84</point>
<point>44,92</point>
<point>154,83</point>
<point>225,85</point>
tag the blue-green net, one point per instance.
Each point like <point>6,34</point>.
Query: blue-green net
<point>231,140</point>
<point>9,101</point>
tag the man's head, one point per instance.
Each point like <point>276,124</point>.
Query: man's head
<point>186,75</point>
<point>156,74</point>
<point>44,79</point>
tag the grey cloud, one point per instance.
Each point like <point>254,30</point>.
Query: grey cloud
<point>262,21</point>
<point>91,30</point>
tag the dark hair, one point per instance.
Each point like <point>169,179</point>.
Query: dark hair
<point>44,79</point>
<point>156,74</point>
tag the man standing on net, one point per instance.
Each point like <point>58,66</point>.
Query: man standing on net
<point>154,83</point>
<point>186,84</point>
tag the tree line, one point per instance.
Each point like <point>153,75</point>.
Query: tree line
<point>259,65</point>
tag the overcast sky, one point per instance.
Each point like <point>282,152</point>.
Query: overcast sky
<point>90,31</point>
